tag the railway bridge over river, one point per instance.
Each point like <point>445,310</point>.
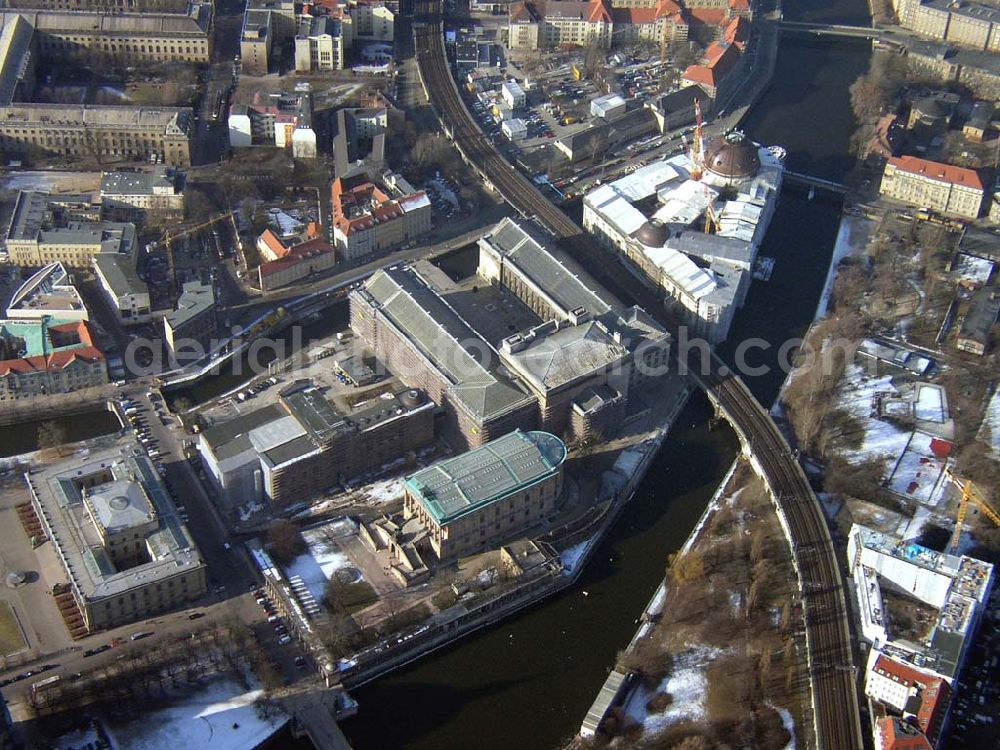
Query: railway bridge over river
<point>836,713</point>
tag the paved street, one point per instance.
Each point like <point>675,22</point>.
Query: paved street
<point>231,575</point>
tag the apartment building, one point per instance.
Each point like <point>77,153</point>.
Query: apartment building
<point>191,327</point>
<point>283,121</point>
<point>266,23</point>
<point>373,214</point>
<point>138,195</point>
<point>944,188</point>
<point>328,31</point>
<point>45,356</point>
<point>125,292</point>
<point>488,495</point>
<point>968,24</point>
<point>616,22</point>
<point>49,228</point>
<point>124,551</point>
<point>319,45</point>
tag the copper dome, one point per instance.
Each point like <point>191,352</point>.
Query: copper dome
<point>653,233</point>
<point>732,155</point>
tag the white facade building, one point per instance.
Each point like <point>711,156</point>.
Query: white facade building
<point>513,94</point>
<point>514,129</point>
<point>705,277</point>
<point>955,585</point>
<point>49,292</point>
<point>608,106</point>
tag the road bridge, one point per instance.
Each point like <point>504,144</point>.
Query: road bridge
<point>830,29</point>
<point>836,714</point>
<point>808,180</point>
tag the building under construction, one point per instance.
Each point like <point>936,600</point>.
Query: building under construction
<point>691,225</point>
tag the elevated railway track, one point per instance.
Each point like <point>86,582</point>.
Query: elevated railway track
<point>831,671</point>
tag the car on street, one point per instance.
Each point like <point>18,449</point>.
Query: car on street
<point>196,615</point>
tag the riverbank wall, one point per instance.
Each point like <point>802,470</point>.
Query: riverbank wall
<point>446,628</point>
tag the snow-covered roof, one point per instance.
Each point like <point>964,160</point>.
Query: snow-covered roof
<point>617,210</point>
<point>684,272</point>
<point>685,203</point>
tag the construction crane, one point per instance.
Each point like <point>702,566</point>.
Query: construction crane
<point>697,151</point>
<point>169,238</point>
<point>969,494</point>
<point>711,220</point>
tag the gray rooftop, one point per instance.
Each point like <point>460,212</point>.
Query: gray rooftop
<point>458,486</point>
<point>120,505</point>
<point>443,338</point>
<point>90,569</point>
<point>553,356</point>
<point>196,299</point>
<point>120,274</point>
<point>536,264</point>
<point>15,47</point>
<point>982,315</point>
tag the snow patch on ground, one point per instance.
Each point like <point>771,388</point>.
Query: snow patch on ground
<point>789,722</point>
<point>571,557</point>
<point>688,686</point>
<point>316,566</point>
<point>989,431</point>
<point>220,717</point>
<point>852,236</point>
<point>382,492</point>
<point>856,395</point>
<point>78,740</point>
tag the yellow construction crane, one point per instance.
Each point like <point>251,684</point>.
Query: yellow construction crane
<point>169,238</point>
<point>969,494</point>
<point>711,220</point>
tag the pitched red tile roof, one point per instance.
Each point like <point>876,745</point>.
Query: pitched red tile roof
<point>897,735</point>
<point>740,6</point>
<point>599,12</point>
<point>709,16</point>
<point>635,16</point>
<point>720,58</point>
<point>737,32</point>
<point>275,245</point>
<point>300,253</point>
<point>667,8</point>
<point>938,171</point>
<point>72,333</point>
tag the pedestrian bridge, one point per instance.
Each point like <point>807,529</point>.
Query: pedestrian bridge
<point>808,180</point>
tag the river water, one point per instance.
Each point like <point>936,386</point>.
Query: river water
<point>528,683</point>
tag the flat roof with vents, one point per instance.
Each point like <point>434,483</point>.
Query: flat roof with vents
<point>458,486</point>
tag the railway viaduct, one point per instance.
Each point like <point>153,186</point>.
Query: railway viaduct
<point>836,717</point>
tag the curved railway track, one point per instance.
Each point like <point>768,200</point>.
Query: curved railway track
<point>833,682</point>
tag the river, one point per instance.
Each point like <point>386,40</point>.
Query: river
<point>528,682</point>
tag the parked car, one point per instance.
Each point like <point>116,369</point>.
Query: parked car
<point>285,640</point>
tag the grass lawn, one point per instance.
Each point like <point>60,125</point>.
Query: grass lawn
<point>11,640</point>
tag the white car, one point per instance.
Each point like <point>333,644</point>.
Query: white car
<point>285,639</point>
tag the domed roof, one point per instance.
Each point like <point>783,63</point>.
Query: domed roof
<point>411,398</point>
<point>732,155</point>
<point>930,106</point>
<point>653,233</point>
